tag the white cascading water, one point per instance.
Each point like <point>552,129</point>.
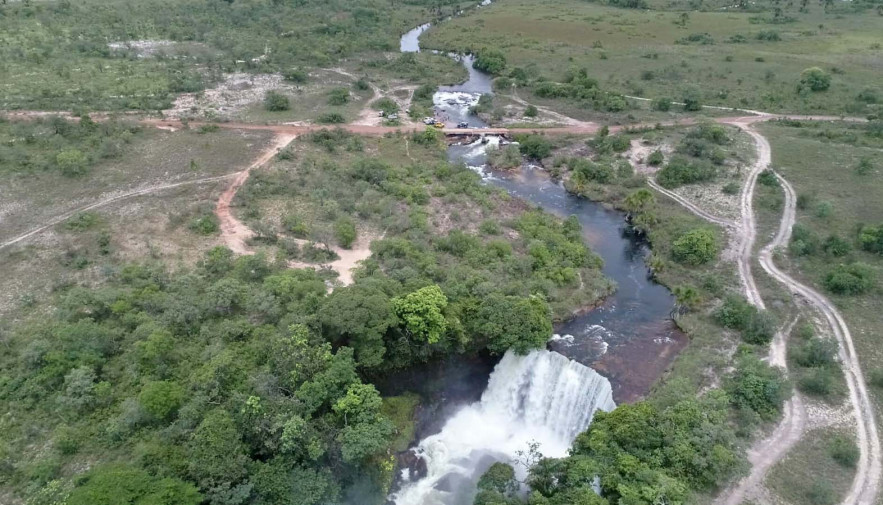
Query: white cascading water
<point>543,397</point>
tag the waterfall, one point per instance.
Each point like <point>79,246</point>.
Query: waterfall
<point>542,397</point>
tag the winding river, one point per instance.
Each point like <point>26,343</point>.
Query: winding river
<point>616,351</point>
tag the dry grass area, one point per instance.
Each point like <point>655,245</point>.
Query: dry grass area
<point>151,226</point>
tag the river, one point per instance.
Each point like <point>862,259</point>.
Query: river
<point>617,350</point>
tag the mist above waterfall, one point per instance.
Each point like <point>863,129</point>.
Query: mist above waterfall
<point>543,397</point>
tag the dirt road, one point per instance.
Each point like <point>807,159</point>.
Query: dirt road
<point>233,231</point>
<point>101,203</point>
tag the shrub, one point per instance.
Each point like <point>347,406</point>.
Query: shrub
<point>803,241</point>
<point>695,247</point>
<point>72,162</point>
<point>331,118</point>
<point>816,352</point>
<point>338,96</point>
<point>768,178</point>
<point>818,382</point>
<point>876,378</point>
<point>662,104</point>
<point>297,75</point>
<point>206,224</point>
<point>815,79</point>
<point>768,36</point>
<point>345,232</point>
<point>760,329</point>
<point>656,158</point>
<point>731,188</point>
<point>82,221</point>
<point>757,386</point>
<point>386,104</point>
<point>490,61</point>
<point>870,238</point>
<point>530,111</point>
<point>534,146</point>
<point>852,279</point>
<point>692,99</point>
<point>680,170</point>
<point>275,101</point>
<point>836,246</point>
<point>864,167</point>
<point>824,209</point>
<point>844,451</point>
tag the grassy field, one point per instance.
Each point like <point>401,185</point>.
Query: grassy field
<point>747,59</point>
<point>810,474</point>
<point>153,226</point>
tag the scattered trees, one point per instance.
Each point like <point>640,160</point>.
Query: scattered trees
<point>491,61</point>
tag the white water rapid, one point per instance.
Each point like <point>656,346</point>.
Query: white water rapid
<point>542,397</point>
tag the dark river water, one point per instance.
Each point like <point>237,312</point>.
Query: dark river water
<point>629,338</point>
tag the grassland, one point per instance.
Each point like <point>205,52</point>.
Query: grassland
<point>649,53</point>
<point>153,226</point>
<point>110,55</point>
<point>810,474</point>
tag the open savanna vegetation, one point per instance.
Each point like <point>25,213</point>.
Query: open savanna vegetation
<point>114,55</point>
<point>753,57</point>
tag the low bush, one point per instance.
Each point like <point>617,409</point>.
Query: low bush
<point>695,247</point>
<point>275,101</point>
<point>851,279</point>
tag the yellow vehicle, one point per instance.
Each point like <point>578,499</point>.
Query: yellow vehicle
<point>438,124</point>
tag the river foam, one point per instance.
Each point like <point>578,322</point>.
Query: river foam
<point>543,397</point>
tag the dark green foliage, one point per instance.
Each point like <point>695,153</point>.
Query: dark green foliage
<point>531,111</point>
<point>695,247</point>
<point>816,352</point>
<point>275,101</point>
<point>844,451</point>
<point>122,485</point>
<point>161,399</point>
<point>534,146</point>
<point>768,178</point>
<point>662,104</point>
<point>338,96</point>
<point>642,453</point>
<point>509,322</point>
<point>703,39</point>
<point>814,79</point>
<point>490,61</point>
<point>731,188</point>
<point>692,98</point>
<point>296,75</point>
<point>817,382</point>
<point>59,145</point>
<point>345,232</point>
<point>870,239</point>
<point>205,224</point>
<point>385,104</point>
<point>851,279</point>
<point>804,242</point>
<point>836,246</point>
<point>681,170</point>
<point>656,158</point>
<point>758,387</point>
<point>757,327</point>
<point>331,118</point>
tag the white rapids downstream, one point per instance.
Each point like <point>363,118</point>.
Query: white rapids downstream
<point>543,397</point>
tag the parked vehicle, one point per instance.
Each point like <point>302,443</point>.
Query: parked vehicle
<point>429,120</point>
<point>438,124</point>
<point>462,124</point>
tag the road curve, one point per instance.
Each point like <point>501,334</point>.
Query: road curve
<point>866,482</point>
<point>67,215</point>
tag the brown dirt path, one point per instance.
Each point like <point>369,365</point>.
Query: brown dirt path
<point>233,232</point>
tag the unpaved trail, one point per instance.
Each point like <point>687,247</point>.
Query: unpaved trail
<point>866,482</point>
<point>348,259</point>
<point>233,232</point>
<point>726,223</point>
<point>748,231</point>
<point>101,203</point>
